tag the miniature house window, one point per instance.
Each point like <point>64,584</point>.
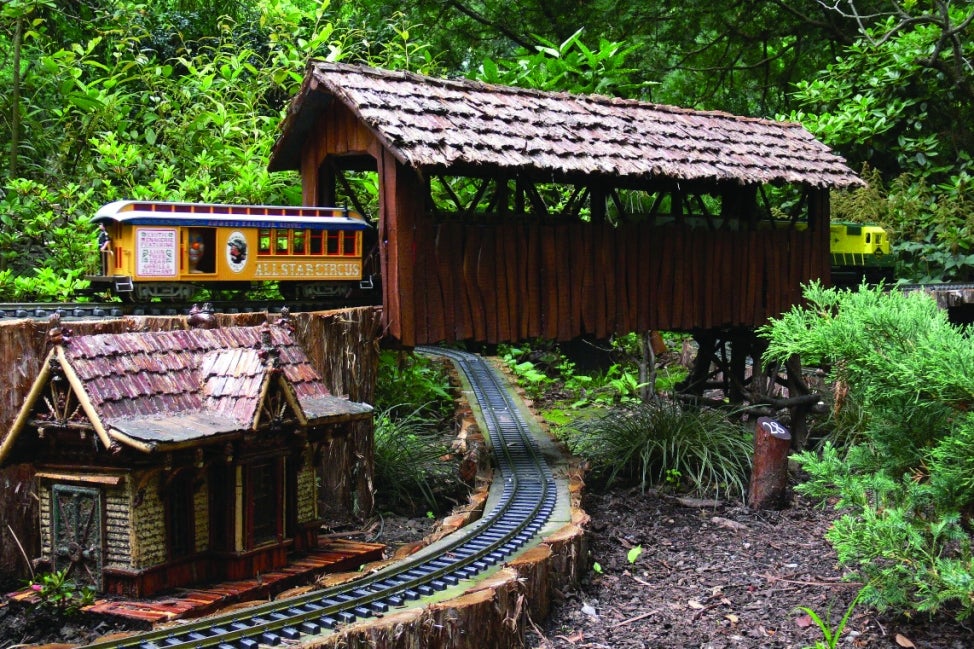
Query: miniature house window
<point>264,502</point>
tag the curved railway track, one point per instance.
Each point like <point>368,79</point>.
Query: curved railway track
<point>524,496</point>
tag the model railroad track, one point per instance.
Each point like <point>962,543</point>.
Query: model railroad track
<point>524,499</point>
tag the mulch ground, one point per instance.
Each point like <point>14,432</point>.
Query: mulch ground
<point>712,577</point>
<point>708,577</point>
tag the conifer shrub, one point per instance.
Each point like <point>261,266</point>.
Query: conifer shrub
<point>903,485</point>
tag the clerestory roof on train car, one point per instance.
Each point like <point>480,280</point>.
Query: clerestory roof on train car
<point>230,216</point>
<point>457,124</point>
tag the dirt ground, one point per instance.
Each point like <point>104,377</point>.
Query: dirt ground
<point>715,577</point>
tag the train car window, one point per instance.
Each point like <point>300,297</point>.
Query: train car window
<point>297,242</point>
<point>334,240</point>
<point>263,241</point>
<point>201,250</point>
<point>348,242</point>
<point>317,242</point>
<point>280,242</point>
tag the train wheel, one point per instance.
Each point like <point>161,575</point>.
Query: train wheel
<point>289,290</point>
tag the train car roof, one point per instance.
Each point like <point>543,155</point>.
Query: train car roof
<point>228,216</point>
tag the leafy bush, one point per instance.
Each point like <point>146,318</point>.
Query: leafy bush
<point>904,483</point>
<point>410,383</point>
<point>650,443</point>
<point>59,595</point>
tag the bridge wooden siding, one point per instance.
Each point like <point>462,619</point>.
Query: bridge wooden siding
<point>513,281</point>
<point>513,275</point>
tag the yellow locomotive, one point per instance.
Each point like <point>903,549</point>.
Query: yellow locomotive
<point>859,252</point>
<point>169,250</point>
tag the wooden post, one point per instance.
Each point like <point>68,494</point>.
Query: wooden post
<point>769,475</point>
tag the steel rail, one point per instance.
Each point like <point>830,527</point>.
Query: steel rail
<point>525,497</point>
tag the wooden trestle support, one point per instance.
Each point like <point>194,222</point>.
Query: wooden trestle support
<point>730,361</point>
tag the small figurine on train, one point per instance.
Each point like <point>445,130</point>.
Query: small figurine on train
<point>104,247</point>
<point>196,248</point>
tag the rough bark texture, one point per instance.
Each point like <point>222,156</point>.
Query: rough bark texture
<point>769,475</point>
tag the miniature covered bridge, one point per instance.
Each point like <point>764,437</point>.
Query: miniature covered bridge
<point>506,214</point>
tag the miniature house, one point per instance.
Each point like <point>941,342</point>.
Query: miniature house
<point>170,458</point>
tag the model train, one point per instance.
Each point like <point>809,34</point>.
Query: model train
<point>860,252</point>
<point>169,251</point>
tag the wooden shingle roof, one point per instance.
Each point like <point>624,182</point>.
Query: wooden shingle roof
<point>169,388</point>
<point>442,124</point>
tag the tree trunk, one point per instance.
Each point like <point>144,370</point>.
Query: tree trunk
<point>15,100</point>
<point>769,475</point>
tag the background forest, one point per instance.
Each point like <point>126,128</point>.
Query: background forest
<point>180,99</point>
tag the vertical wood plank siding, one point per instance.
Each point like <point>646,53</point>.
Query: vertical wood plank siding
<point>517,280</point>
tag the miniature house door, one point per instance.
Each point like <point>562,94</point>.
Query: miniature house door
<point>76,520</point>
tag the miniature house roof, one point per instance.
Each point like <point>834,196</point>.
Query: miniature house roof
<point>166,389</point>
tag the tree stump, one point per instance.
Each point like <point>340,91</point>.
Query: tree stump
<point>769,475</point>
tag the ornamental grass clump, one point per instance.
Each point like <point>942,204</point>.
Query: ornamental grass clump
<point>650,443</point>
<point>410,474</point>
<point>413,425</point>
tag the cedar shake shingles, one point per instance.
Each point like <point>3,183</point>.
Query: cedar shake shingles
<point>438,123</point>
<point>156,386</point>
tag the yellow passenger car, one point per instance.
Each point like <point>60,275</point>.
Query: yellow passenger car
<point>171,250</point>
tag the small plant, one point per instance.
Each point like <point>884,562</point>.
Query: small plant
<point>657,443</point>
<point>634,554</point>
<point>673,478</point>
<point>59,595</point>
<point>830,637</point>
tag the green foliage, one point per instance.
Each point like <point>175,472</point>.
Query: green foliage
<point>570,66</point>
<point>59,595</point>
<point>409,382</point>
<point>47,243</point>
<point>830,637</point>
<point>536,366</point>
<point>901,100</point>
<point>414,405</point>
<point>904,481</point>
<point>647,443</point>
<point>540,366</point>
<point>634,554</point>
<point>410,475</point>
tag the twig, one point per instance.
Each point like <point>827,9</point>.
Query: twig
<point>644,583</point>
<point>22,552</point>
<point>837,582</point>
<point>637,618</point>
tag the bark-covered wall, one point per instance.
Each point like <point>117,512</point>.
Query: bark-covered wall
<point>343,345</point>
